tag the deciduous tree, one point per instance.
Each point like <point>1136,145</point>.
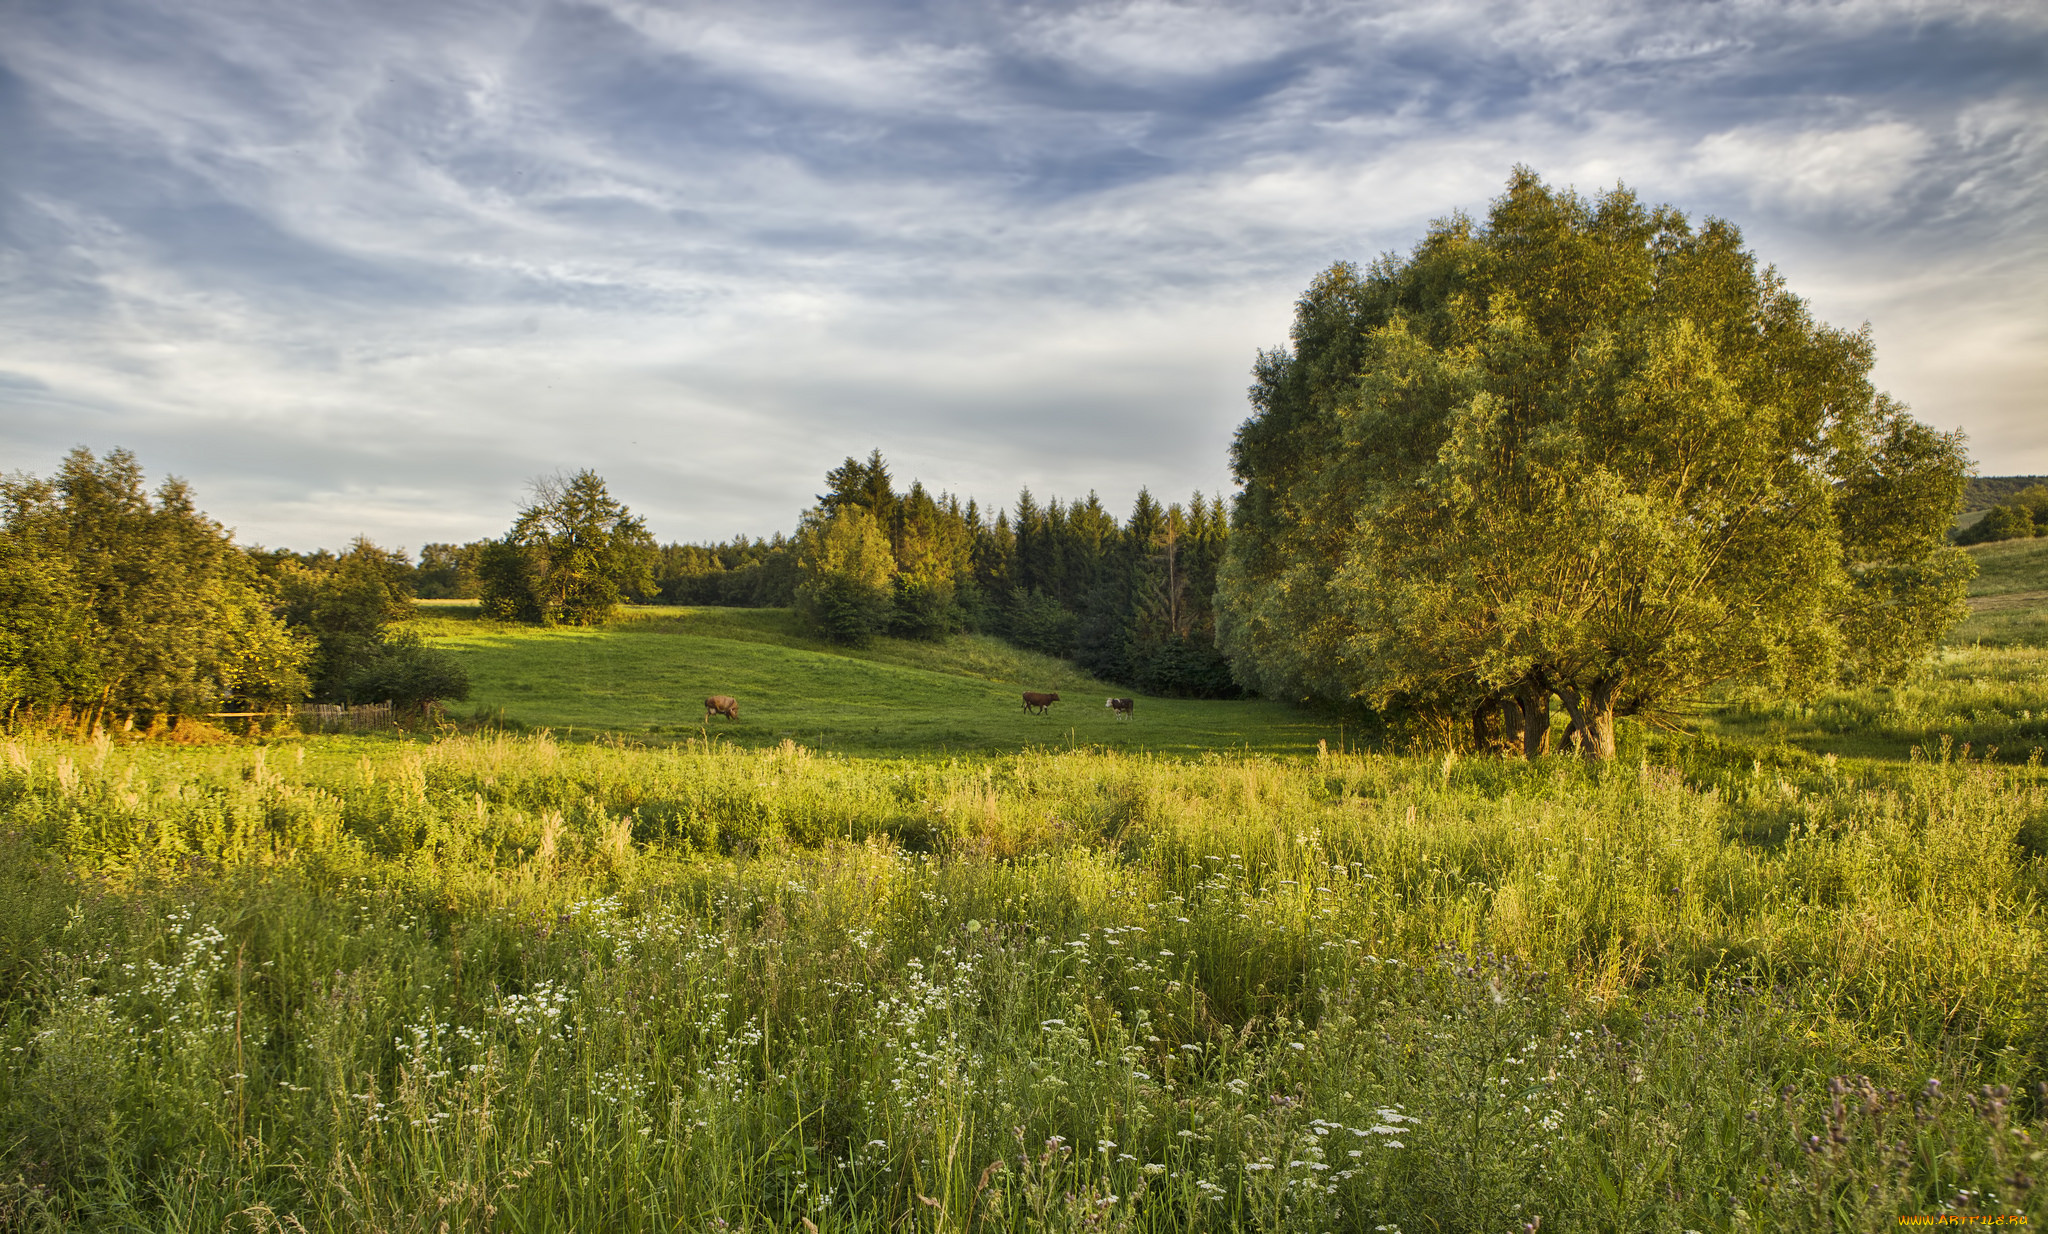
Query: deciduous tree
<point>845,570</point>
<point>571,556</point>
<point>1582,450</point>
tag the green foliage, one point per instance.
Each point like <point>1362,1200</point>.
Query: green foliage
<point>1584,450</point>
<point>1131,604</point>
<point>121,604</point>
<point>2012,522</point>
<point>448,571</point>
<point>345,604</point>
<point>923,608</point>
<point>500,982</point>
<point>571,556</point>
<point>846,571</point>
<point>407,673</point>
<point>747,573</point>
<point>46,646</point>
<point>1038,622</point>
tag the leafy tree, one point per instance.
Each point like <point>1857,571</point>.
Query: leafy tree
<point>46,643</point>
<point>128,604</point>
<point>2012,522</point>
<point>846,575</point>
<point>2026,514</point>
<point>571,556</point>
<point>1583,451</point>
<point>345,603</point>
<point>351,606</point>
<point>448,571</point>
<point>408,674</point>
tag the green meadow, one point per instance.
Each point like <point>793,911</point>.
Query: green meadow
<point>1985,690</point>
<point>646,677</point>
<point>889,954</point>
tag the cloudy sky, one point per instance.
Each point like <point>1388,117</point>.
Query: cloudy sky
<point>369,266</point>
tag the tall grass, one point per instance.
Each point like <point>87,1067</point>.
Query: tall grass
<point>1991,699</point>
<point>501,983</point>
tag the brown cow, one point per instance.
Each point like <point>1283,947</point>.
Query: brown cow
<point>721,705</point>
<point>1039,702</point>
<point>1122,707</point>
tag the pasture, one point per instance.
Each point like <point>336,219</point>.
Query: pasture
<point>889,954</point>
<point>647,676</point>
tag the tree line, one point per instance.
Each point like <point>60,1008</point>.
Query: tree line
<point>118,603</point>
<point>1130,601</point>
<point>2022,515</point>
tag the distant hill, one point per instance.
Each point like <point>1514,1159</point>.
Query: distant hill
<point>1984,492</point>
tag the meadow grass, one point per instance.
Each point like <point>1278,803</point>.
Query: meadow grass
<point>647,676</point>
<point>497,981</point>
<point>1986,689</point>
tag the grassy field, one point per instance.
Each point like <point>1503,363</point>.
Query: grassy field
<point>647,677</point>
<point>890,955</point>
<point>1986,689</point>
<point>504,983</point>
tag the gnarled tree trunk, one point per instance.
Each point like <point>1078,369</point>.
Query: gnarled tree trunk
<point>1592,715</point>
<point>1534,700</point>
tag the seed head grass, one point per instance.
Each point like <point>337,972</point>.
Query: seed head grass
<point>502,981</point>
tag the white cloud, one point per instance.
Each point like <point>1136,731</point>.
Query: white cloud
<point>294,256</point>
<point>1856,170</point>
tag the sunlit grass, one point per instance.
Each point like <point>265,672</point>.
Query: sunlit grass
<point>647,676</point>
<point>505,982</point>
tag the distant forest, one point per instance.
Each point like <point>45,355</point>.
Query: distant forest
<point>1129,600</point>
<point>1984,492</point>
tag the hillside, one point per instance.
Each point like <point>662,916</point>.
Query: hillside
<point>1983,492</point>
<point>2009,596</point>
<point>646,676</point>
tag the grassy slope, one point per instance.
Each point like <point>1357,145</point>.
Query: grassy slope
<point>2009,599</point>
<point>647,676</point>
<point>1987,688</point>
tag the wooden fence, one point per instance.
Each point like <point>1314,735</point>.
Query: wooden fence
<point>327,717</point>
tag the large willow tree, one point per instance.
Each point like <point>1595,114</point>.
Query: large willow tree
<point>1582,451</point>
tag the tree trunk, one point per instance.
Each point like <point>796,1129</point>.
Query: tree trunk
<point>1598,727</point>
<point>1483,740</point>
<point>1535,707</point>
<point>1512,741</point>
<point>1592,716</point>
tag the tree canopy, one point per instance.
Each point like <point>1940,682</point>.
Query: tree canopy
<point>570,557</point>
<point>1583,450</point>
<point>118,602</point>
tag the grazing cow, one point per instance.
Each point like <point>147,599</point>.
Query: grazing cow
<point>1039,702</point>
<point>721,705</point>
<point>1122,707</point>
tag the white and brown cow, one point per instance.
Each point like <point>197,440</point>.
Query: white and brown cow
<point>1122,707</point>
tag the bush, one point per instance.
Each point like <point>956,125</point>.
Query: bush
<point>1038,622</point>
<point>409,675</point>
<point>923,609</point>
<point>1999,523</point>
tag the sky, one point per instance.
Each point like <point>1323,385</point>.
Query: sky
<point>371,267</point>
